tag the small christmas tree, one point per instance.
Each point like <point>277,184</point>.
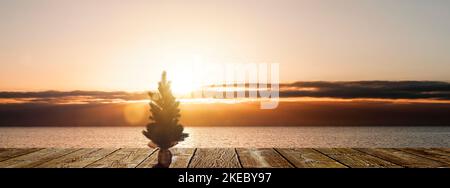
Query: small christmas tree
<point>164,130</point>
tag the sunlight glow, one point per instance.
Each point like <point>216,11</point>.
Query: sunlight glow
<point>181,74</point>
<point>135,113</point>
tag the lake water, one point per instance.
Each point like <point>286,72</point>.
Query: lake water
<point>231,137</point>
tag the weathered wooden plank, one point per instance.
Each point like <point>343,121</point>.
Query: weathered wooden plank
<point>180,158</point>
<point>227,157</point>
<point>444,149</point>
<point>8,153</point>
<point>78,159</point>
<point>123,158</point>
<point>150,161</point>
<point>35,158</point>
<point>356,159</point>
<point>428,153</point>
<point>261,158</point>
<point>402,158</point>
<point>214,158</point>
<point>441,151</point>
<point>308,158</point>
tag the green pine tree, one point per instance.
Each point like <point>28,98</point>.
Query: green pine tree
<point>164,129</point>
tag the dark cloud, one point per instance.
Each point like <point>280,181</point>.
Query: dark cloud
<point>344,90</point>
<point>364,89</point>
<point>72,96</point>
<point>56,94</point>
<point>99,109</point>
<point>369,89</point>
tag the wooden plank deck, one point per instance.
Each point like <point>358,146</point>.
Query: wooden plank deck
<point>227,157</point>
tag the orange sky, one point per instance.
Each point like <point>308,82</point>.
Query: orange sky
<point>124,45</point>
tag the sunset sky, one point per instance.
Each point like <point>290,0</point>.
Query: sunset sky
<point>124,45</point>
<point>347,62</point>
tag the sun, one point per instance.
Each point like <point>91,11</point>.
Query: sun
<point>187,74</point>
<point>183,81</point>
<point>182,86</point>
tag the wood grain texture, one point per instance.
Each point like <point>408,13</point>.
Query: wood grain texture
<point>403,158</point>
<point>428,153</point>
<point>226,157</point>
<point>7,153</point>
<point>78,159</point>
<point>180,158</point>
<point>356,159</point>
<point>261,158</point>
<point>215,158</point>
<point>123,158</point>
<point>308,158</point>
<point>35,158</point>
<point>441,151</point>
<point>444,149</point>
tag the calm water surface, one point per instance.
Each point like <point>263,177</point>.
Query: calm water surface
<point>231,137</point>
